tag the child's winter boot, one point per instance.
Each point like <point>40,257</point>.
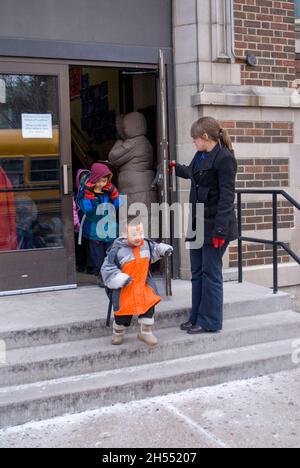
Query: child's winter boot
<point>146,334</point>
<point>118,334</point>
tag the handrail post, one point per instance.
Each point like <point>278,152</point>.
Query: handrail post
<point>240,243</point>
<point>275,244</point>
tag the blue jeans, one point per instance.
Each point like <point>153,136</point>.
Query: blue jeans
<point>207,285</point>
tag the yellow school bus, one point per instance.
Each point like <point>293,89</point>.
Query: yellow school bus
<point>33,167</point>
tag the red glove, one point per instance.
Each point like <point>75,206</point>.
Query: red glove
<point>218,242</point>
<point>112,190</point>
<point>171,167</point>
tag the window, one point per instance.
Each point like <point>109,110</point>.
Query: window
<point>222,30</point>
<point>30,196</point>
<point>297,8</point>
<point>45,170</point>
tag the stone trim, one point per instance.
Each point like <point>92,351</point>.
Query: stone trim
<point>246,96</point>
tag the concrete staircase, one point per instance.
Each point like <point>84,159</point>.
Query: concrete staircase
<point>60,360</point>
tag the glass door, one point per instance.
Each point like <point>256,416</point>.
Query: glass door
<point>36,225</point>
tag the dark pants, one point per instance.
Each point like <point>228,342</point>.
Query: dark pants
<point>207,283</point>
<point>81,253</point>
<point>96,253</point>
<point>125,320</point>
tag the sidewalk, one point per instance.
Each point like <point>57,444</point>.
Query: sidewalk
<point>255,413</point>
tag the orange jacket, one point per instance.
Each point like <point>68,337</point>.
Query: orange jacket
<point>137,297</point>
<point>126,271</point>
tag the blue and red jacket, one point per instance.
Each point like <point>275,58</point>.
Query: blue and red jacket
<point>89,203</point>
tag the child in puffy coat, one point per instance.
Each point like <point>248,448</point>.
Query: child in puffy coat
<point>126,271</point>
<point>94,196</point>
<point>133,157</point>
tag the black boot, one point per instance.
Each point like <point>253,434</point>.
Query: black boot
<point>197,330</point>
<point>186,326</point>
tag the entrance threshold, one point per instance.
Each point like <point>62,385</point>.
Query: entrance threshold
<point>38,290</point>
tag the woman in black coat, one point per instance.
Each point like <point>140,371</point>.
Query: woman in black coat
<point>213,174</point>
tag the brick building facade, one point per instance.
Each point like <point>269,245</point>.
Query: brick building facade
<point>236,60</point>
<point>265,28</point>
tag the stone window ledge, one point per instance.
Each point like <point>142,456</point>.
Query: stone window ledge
<point>246,96</point>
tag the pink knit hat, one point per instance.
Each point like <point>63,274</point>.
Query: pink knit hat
<point>99,171</point>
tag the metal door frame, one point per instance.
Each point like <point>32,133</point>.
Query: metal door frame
<point>29,259</point>
<point>39,64</point>
<point>166,88</point>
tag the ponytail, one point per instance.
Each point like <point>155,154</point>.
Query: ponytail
<point>226,140</point>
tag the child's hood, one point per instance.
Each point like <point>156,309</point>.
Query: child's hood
<point>134,125</point>
<point>99,171</point>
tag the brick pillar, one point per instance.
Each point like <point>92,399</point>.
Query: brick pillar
<point>258,104</point>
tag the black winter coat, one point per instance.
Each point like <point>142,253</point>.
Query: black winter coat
<point>213,184</point>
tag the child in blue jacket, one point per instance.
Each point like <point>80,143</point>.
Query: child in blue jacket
<point>96,193</point>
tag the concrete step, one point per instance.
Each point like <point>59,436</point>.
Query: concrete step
<point>230,274</point>
<point>48,318</point>
<point>44,400</point>
<point>94,355</point>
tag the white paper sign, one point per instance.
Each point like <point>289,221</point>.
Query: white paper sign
<point>37,126</point>
<point>2,92</point>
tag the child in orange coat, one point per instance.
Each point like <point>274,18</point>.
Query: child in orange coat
<point>126,271</point>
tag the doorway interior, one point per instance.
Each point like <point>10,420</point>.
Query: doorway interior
<point>98,95</point>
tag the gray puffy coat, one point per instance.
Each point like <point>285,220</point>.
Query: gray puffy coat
<point>134,159</point>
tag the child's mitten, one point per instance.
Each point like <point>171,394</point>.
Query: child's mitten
<point>169,252</point>
<point>112,190</point>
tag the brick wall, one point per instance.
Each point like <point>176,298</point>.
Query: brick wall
<point>263,173</point>
<point>266,28</point>
<point>258,216</point>
<point>260,132</point>
<point>256,254</point>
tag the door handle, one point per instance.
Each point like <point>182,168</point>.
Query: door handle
<point>66,179</point>
<point>174,181</point>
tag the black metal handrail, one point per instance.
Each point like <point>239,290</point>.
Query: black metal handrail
<point>274,242</point>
